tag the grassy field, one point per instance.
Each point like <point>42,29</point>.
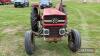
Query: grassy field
<point>15,21</point>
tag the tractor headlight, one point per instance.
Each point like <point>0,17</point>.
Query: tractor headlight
<point>62,31</point>
<point>45,31</point>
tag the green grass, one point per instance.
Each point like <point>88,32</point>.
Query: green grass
<point>15,21</point>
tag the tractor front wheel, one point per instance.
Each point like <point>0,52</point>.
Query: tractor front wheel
<point>74,40</point>
<point>29,42</point>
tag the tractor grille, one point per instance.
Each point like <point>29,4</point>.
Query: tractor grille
<point>54,19</point>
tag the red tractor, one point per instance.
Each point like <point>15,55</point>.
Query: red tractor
<point>51,24</point>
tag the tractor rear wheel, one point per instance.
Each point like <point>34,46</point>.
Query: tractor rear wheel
<point>29,42</point>
<point>74,40</point>
<point>34,19</point>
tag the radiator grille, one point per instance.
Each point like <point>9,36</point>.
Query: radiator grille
<point>54,19</point>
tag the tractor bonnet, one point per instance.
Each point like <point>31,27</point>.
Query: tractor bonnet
<point>53,17</point>
<point>52,11</point>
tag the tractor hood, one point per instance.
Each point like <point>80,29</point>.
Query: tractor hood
<point>52,11</point>
<point>53,17</point>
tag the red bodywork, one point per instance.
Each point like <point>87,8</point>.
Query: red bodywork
<point>52,20</point>
<point>50,14</point>
<point>5,1</point>
<point>53,12</point>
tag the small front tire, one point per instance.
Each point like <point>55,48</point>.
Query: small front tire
<point>74,40</point>
<point>29,42</point>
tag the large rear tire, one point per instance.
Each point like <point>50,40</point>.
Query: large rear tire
<point>34,19</point>
<point>74,40</point>
<point>29,42</point>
